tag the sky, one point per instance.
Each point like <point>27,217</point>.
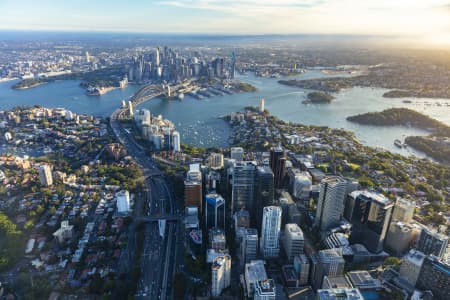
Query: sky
<point>424,19</point>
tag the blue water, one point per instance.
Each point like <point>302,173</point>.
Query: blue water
<point>198,122</point>
<point>67,94</point>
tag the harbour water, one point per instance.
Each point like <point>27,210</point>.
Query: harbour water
<point>199,123</point>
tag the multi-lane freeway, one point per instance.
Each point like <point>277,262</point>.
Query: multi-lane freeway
<point>159,253</point>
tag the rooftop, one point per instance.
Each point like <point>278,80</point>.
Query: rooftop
<point>339,294</point>
<point>255,270</point>
<point>374,196</point>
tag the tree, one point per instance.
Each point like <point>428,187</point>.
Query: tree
<point>392,261</point>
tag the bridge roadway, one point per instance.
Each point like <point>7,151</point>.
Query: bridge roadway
<point>158,261</point>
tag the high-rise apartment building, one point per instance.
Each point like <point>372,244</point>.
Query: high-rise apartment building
<point>220,274</point>
<point>249,245</point>
<point>434,276</point>
<point>327,262</point>
<point>237,153</point>
<point>45,175</point>
<point>431,242</point>
<point>330,205</point>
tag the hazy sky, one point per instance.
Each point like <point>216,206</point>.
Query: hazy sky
<point>421,18</point>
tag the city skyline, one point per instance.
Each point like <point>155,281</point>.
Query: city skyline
<point>424,21</point>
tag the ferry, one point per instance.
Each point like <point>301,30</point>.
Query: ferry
<point>398,143</point>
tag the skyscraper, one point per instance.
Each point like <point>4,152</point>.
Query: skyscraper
<point>264,193</point>
<point>176,147</point>
<point>278,165</point>
<point>214,211</point>
<point>243,186</point>
<point>45,175</point>
<point>220,274</point>
<point>371,214</point>
<point>270,232</point>
<point>294,241</point>
<point>431,242</point>
<point>435,277</point>
<point>232,65</point>
<point>330,205</point>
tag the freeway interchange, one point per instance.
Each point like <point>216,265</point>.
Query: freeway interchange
<point>159,253</point>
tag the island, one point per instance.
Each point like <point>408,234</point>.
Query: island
<point>319,97</point>
<point>435,145</point>
<point>246,87</point>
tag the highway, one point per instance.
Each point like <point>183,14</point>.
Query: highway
<point>158,261</point>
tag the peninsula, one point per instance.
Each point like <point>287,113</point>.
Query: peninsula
<point>436,145</point>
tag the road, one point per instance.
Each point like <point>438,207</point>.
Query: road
<point>158,261</point>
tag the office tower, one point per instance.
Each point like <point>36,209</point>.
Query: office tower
<point>265,290</point>
<point>243,182</point>
<point>254,272</point>
<point>217,239</point>
<point>301,266</point>
<point>339,294</point>
<point>327,262</point>
<point>431,242</point>
<point>261,105</point>
<point>123,201</point>
<point>294,241</point>
<point>264,193</point>
<point>330,205</point>
<point>232,65</point>
<point>371,213</point>
<point>214,211</point>
<point>434,276</point>
<point>220,274</point>
<point>242,219</point>
<point>176,147</point>
<point>401,236</point>
<point>45,175</point>
<point>403,210</point>
<point>411,265</point>
<point>237,153</point>
<point>216,161</point>
<point>157,57</point>
<point>291,214</point>
<point>302,186</point>
<point>270,232</point>
<point>88,57</point>
<point>249,245</point>
<point>278,165</point>
<point>193,194</point>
